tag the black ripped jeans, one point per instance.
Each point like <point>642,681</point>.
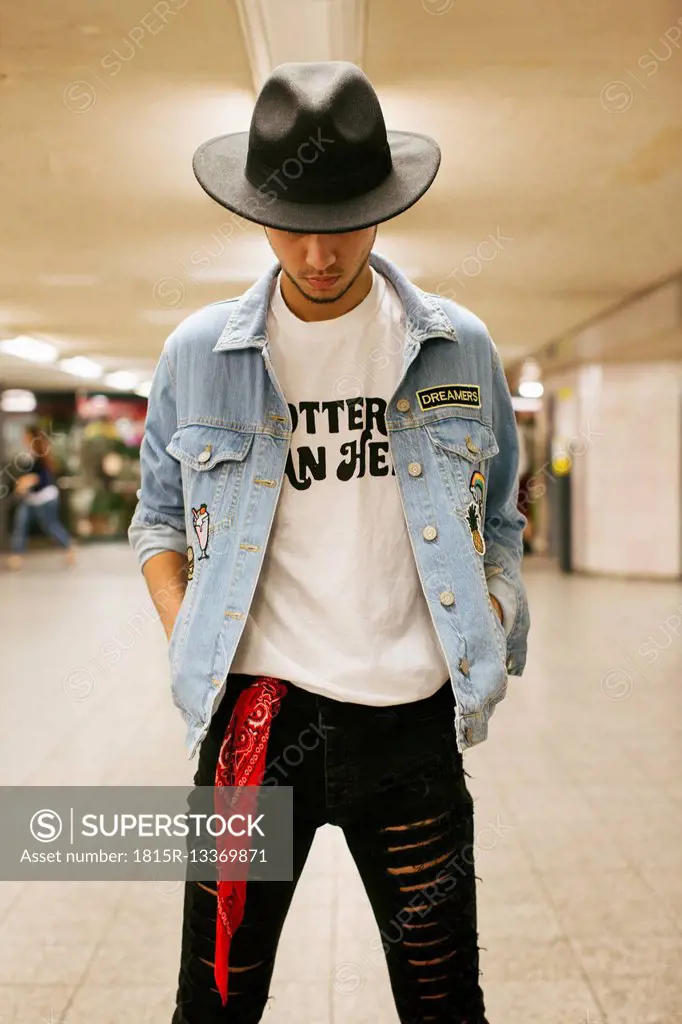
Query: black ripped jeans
<point>392,779</point>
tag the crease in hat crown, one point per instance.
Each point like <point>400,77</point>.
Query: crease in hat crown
<point>321,126</point>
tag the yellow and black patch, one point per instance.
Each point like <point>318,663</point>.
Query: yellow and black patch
<point>467,395</point>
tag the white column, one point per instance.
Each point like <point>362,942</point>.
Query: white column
<point>626,439</point>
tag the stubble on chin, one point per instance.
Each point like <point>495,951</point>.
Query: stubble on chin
<point>319,299</point>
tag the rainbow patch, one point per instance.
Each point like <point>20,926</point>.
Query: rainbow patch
<point>477,486</point>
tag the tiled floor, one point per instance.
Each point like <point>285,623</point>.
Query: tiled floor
<point>578,800</point>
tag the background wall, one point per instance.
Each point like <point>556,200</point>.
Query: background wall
<point>623,427</point>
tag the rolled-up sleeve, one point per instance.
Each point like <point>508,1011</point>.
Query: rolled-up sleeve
<point>504,525</point>
<point>158,523</point>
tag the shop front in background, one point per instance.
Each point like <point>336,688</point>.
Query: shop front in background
<point>95,441</point>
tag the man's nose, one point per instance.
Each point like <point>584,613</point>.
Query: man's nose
<point>319,252</point>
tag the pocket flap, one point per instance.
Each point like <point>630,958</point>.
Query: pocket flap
<point>470,439</point>
<point>202,447</point>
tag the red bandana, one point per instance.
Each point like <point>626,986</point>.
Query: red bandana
<point>241,763</point>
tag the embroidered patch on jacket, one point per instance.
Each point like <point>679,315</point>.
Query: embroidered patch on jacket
<point>200,521</point>
<point>477,488</point>
<point>475,517</point>
<point>468,395</point>
<point>474,522</point>
<point>190,563</point>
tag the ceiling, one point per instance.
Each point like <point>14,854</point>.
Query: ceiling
<point>560,128</point>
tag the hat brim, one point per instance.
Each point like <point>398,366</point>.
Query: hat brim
<point>218,166</point>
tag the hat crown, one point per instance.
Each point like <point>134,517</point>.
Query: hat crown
<point>317,131</point>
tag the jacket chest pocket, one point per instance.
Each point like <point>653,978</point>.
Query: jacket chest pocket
<point>462,449</point>
<point>213,461</point>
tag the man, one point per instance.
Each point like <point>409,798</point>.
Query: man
<point>334,455</point>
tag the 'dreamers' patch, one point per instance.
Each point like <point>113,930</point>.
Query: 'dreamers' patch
<point>468,395</point>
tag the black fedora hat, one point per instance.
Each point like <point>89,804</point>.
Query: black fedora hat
<point>318,157</point>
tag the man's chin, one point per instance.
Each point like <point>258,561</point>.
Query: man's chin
<point>322,294</point>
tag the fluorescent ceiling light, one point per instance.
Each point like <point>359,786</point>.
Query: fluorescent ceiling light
<point>144,389</point>
<point>526,404</point>
<point>530,385</point>
<point>31,349</point>
<point>123,380</point>
<point>17,400</point>
<point>80,366</point>
<point>301,30</point>
<point>531,389</point>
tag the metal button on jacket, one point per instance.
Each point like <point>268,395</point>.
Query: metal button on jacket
<point>205,455</point>
<point>468,734</point>
<point>429,533</point>
<point>414,469</point>
<point>473,448</point>
<point>402,405</point>
<point>464,666</point>
<point>447,597</point>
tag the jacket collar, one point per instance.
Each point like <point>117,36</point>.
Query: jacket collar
<point>246,327</point>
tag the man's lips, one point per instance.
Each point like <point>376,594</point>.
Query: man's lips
<point>322,282</point>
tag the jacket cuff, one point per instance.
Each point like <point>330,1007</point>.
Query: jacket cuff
<point>515,623</point>
<point>501,588</point>
<point>154,538</point>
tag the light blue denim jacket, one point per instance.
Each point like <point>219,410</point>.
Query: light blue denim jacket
<point>218,433</point>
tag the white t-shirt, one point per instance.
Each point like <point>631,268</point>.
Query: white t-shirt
<point>339,609</point>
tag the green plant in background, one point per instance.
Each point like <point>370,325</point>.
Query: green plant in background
<point>110,470</point>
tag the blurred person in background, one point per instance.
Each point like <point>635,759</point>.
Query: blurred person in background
<point>38,501</point>
<point>342,613</point>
